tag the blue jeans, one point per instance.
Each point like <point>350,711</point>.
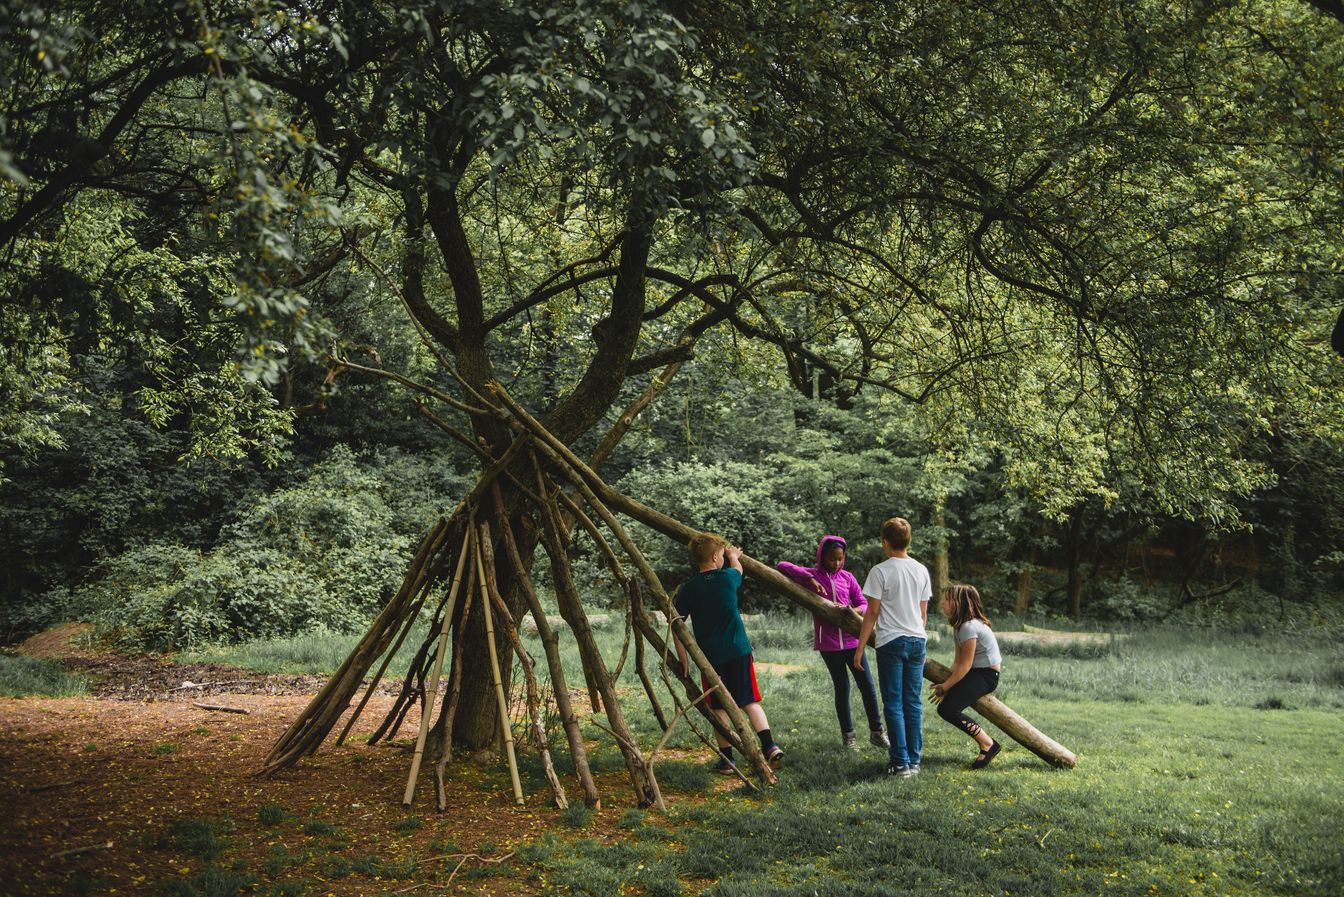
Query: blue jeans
<point>900,669</point>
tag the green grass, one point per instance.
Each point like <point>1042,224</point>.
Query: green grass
<point>199,837</point>
<point>1183,785</point>
<point>1209,764</point>
<point>317,652</point>
<point>25,677</point>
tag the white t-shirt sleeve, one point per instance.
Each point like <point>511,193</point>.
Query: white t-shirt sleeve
<point>873,583</point>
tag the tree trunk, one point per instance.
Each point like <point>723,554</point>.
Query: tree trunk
<point>1074,587</point>
<point>1023,600</point>
<point>940,577</point>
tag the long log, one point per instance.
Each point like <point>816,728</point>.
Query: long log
<point>990,707</point>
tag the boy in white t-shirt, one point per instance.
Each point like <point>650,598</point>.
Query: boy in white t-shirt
<point>898,591</point>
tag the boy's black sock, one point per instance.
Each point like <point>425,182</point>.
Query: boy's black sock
<point>726,753</point>
<point>767,740</point>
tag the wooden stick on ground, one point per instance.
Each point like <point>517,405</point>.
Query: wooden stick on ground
<point>221,708</point>
<point>443,726</point>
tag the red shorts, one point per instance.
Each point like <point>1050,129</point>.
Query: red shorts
<point>739,677</point>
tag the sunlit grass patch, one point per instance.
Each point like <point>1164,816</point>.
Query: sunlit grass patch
<point>315,652</point>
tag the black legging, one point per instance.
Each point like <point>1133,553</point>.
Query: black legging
<point>978,682</point>
<point>837,662</point>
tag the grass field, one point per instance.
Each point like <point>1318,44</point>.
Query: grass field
<point>1210,763</point>
<point>22,677</point>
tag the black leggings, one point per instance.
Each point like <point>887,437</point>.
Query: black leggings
<point>978,682</point>
<point>840,664</point>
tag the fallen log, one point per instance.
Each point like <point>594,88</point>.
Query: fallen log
<point>221,708</point>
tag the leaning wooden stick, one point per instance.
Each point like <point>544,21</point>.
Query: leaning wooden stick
<point>550,644</point>
<point>432,691</point>
<point>505,729</point>
<point>529,674</point>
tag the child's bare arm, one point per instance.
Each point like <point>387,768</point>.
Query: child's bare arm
<point>961,665</point>
<point>734,556</point>
<point>869,622</point>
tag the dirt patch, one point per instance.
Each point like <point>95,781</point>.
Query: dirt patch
<point>66,640</point>
<point>121,767</point>
<point>779,669</point>
<point>1037,636</point>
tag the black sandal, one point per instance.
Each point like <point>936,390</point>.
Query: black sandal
<point>987,755</point>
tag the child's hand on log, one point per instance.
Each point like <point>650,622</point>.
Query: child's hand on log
<point>816,586</point>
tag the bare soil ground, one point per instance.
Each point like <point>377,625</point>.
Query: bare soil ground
<point>91,787</point>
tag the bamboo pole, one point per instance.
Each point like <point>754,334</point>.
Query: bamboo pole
<point>550,645</point>
<point>529,673</point>
<point>443,726</point>
<point>432,693</point>
<point>505,729</point>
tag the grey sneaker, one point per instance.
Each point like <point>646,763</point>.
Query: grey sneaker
<point>850,740</point>
<point>879,738</point>
<point>909,771</point>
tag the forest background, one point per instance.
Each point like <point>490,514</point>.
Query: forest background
<point>1055,281</point>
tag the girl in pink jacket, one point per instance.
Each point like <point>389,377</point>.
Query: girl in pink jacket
<point>832,581</point>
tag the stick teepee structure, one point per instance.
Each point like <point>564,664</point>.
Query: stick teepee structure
<point>555,491</point>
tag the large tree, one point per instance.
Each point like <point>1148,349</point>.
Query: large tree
<point>1106,231</point>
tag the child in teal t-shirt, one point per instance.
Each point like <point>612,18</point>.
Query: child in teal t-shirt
<point>709,600</point>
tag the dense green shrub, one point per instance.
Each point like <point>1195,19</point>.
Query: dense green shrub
<point>327,550</point>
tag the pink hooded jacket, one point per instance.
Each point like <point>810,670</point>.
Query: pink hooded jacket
<point>842,588</point>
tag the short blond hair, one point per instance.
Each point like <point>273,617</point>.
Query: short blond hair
<point>896,533</point>
<point>705,546</point>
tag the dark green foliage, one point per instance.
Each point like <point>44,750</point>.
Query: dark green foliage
<point>280,858</point>
<point>409,824</point>
<point>270,813</point>
<point>199,837</point>
<point>577,815</point>
<point>336,866</point>
<point>324,551</point>
<point>212,881</point>
<point>318,827</point>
